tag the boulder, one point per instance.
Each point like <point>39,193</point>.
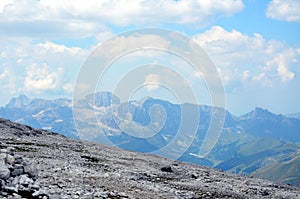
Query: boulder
<point>4,171</point>
<point>166,169</point>
<point>17,170</point>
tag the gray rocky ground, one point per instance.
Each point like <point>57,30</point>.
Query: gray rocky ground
<point>40,164</point>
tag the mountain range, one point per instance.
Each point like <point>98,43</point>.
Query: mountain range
<point>259,143</point>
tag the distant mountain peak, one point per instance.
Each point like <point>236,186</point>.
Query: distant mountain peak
<point>261,111</point>
<point>18,102</point>
<point>257,113</point>
<point>102,99</point>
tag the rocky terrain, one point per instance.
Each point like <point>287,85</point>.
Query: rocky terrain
<point>259,144</point>
<point>40,164</point>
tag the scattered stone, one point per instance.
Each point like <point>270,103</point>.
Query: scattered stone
<point>18,160</point>
<point>25,181</point>
<point>11,189</point>
<point>265,193</point>
<point>195,176</point>
<point>17,170</point>
<point>31,170</point>
<point>4,171</point>
<point>11,150</point>
<point>35,187</point>
<point>49,165</point>
<point>17,178</point>
<point>10,159</point>
<point>3,156</point>
<point>166,169</point>
<point>3,151</point>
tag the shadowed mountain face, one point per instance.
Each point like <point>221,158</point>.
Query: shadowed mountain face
<point>40,164</point>
<point>259,143</point>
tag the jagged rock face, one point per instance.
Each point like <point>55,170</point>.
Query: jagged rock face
<point>68,168</point>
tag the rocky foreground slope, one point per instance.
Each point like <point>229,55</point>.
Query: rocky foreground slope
<point>40,164</point>
<point>260,143</point>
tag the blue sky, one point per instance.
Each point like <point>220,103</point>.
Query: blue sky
<point>254,44</point>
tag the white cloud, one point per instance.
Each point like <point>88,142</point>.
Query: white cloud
<point>81,19</point>
<point>38,68</point>
<point>68,87</point>
<point>3,4</point>
<point>259,77</point>
<point>40,78</point>
<point>286,10</point>
<point>103,36</point>
<point>123,12</point>
<point>152,82</point>
<point>243,57</point>
<point>122,44</point>
<point>56,48</point>
<point>282,61</point>
<point>246,74</point>
<point>4,74</point>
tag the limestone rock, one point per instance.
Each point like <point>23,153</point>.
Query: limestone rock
<point>4,171</point>
<point>49,165</point>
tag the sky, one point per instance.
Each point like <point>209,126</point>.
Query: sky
<point>254,44</point>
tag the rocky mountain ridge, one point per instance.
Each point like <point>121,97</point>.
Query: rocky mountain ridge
<point>69,168</point>
<point>259,143</point>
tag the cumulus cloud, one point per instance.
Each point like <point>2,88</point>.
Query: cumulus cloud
<point>122,44</point>
<point>151,82</point>
<point>243,57</point>
<point>286,10</point>
<point>40,78</point>
<point>38,67</point>
<point>56,48</point>
<point>70,18</point>
<point>282,61</point>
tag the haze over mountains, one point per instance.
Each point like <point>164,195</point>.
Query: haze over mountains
<point>258,143</point>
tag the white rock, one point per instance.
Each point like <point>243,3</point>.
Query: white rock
<point>24,180</point>
<point>10,159</point>
<point>3,150</point>
<point>4,171</point>
<point>3,156</point>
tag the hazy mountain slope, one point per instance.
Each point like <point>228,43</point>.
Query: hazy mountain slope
<point>69,168</point>
<point>262,123</point>
<point>286,171</point>
<point>293,115</point>
<point>256,154</point>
